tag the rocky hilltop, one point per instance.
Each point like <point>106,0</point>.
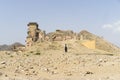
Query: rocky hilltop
<point>100,43</point>
<point>84,38</point>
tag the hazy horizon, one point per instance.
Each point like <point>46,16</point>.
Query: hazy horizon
<point>98,17</point>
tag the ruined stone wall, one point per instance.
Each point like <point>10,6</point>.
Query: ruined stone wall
<point>29,42</point>
<point>89,44</point>
<point>34,34</point>
<point>33,31</point>
<point>37,35</point>
<point>61,35</point>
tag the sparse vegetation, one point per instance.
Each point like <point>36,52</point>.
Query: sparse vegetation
<point>38,53</point>
<point>11,56</point>
<point>31,51</point>
<point>27,55</point>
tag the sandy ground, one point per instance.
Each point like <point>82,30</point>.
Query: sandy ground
<point>58,65</point>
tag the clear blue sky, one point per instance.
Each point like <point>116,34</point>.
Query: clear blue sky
<point>101,17</point>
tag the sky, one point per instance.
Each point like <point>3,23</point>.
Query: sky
<point>100,17</point>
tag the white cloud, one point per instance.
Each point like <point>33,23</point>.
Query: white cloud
<point>107,26</point>
<point>115,27</point>
<point>117,23</point>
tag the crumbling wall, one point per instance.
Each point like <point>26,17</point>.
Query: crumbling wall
<point>89,44</point>
<point>29,42</point>
<point>33,31</point>
<point>61,35</point>
<point>34,34</point>
<point>37,35</point>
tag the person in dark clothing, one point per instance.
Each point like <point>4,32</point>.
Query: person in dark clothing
<point>66,49</point>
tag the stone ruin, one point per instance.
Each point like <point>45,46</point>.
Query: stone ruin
<point>37,35</point>
<point>34,34</point>
<point>61,35</point>
<point>86,38</point>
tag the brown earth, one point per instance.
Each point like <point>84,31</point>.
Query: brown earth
<point>48,61</point>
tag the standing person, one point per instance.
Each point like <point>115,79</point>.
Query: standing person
<point>66,49</point>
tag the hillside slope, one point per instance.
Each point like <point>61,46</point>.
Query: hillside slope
<point>101,43</point>
<point>76,46</point>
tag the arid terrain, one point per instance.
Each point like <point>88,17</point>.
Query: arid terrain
<point>89,57</point>
<point>48,61</point>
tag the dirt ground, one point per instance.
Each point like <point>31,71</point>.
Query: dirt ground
<point>58,65</point>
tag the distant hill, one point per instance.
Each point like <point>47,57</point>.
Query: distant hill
<point>10,47</point>
<point>5,47</point>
